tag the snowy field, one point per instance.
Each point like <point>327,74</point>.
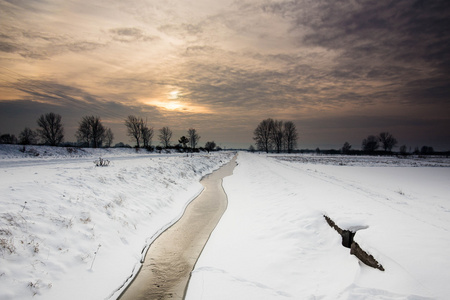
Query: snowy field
<point>273,241</point>
<point>71,230</point>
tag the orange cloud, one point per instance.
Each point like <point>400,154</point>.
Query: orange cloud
<point>177,105</point>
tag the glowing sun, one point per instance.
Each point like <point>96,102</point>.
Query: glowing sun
<point>174,95</point>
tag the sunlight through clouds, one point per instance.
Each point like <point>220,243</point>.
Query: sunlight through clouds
<point>176,105</point>
<point>209,61</point>
<point>176,101</point>
<point>174,95</point>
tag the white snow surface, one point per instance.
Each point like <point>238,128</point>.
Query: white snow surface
<point>71,230</point>
<point>273,241</point>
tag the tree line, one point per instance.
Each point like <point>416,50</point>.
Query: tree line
<point>50,131</point>
<point>139,131</point>
<point>92,133</point>
<point>269,135</point>
<point>387,142</point>
<point>275,135</point>
<point>372,143</point>
<point>278,136</point>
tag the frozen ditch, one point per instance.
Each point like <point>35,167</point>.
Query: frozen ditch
<point>355,249</point>
<point>171,257</point>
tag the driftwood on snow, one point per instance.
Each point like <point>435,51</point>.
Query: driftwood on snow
<point>355,249</point>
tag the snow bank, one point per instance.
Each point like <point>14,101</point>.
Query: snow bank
<point>16,152</point>
<point>70,230</point>
<point>369,161</point>
<point>274,243</point>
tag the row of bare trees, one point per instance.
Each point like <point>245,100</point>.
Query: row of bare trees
<point>50,131</point>
<point>92,133</point>
<point>275,135</point>
<point>372,142</point>
<point>139,131</point>
<point>387,142</point>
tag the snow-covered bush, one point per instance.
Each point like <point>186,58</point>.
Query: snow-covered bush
<point>101,162</point>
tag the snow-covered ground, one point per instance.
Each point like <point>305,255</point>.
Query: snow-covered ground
<point>71,230</point>
<point>273,241</point>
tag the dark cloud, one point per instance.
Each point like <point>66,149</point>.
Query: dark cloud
<point>199,51</point>
<point>130,34</point>
<point>430,91</point>
<point>42,45</point>
<point>363,121</point>
<point>181,29</point>
<point>83,46</point>
<point>55,93</point>
<point>45,36</point>
<point>293,84</point>
<point>381,38</point>
<point>13,6</point>
<point>219,85</point>
<point>68,98</point>
<point>7,47</point>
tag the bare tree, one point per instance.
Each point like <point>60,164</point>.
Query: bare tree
<point>134,128</point>
<point>8,139</point>
<point>27,136</point>
<point>165,134</point>
<point>370,143</point>
<point>262,135</point>
<point>403,150</point>
<point>109,137</point>
<point>277,135</point>
<point>183,140</point>
<point>290,136</point>
<point>147,135</point>
<point>209,146</point>
<point>51,129</point>
<point>193,137</point>
<point>426,150</point>
<point>91,131</point>
<point>387,140</point>
<point>346,148</point>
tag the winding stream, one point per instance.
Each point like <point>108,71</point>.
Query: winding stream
<point>171,257</point>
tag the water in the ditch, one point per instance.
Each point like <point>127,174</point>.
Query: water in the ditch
<point>172,256</point>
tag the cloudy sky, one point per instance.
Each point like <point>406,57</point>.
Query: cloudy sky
<point>340,70</point>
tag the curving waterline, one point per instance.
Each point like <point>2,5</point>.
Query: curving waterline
<point>170,259</point>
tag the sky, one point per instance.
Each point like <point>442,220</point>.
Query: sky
<point>340,70</point>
